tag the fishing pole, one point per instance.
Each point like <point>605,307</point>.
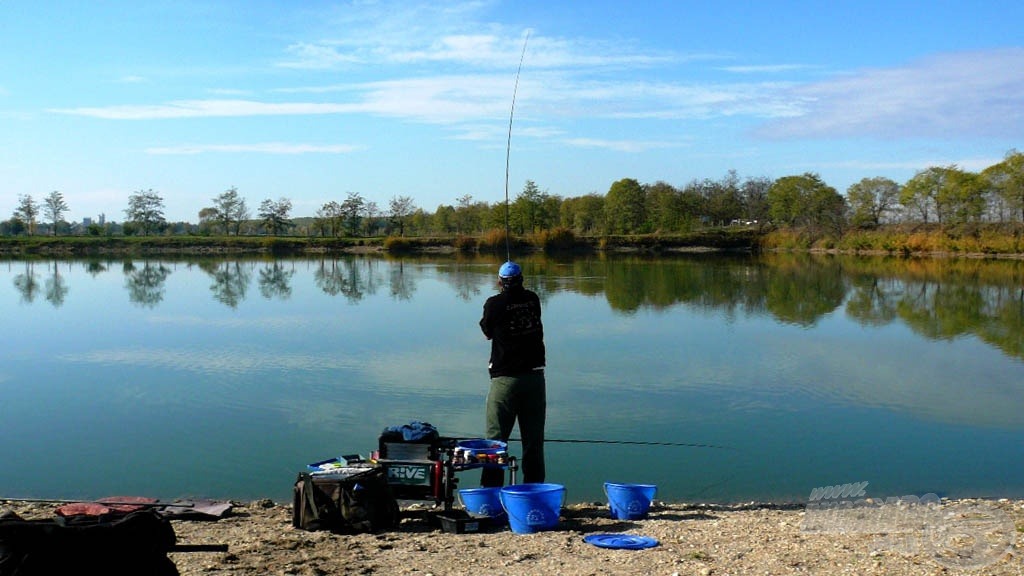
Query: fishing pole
<point>623,442</point>
<point>630,442</point>
<point>508,147</point>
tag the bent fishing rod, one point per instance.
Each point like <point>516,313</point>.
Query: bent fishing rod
<point>508,147</point>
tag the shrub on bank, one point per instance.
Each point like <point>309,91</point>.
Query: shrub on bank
<point>464,243</point>
<point>398,244</point>
<point>557,240</point>
<point>492,241</point>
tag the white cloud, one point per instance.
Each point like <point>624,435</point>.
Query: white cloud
<point>970,164</point>
<point>263,148</point>
<point>951,95</point>
<point>207,109</point>
<point>316,57</point>
<point>619,145</point>
<point>766,68</point>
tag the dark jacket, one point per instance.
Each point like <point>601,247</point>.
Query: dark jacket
<point>511,321</point>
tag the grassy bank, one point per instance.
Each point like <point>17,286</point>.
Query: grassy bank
<point>547,241</point>
<point>976,241</point>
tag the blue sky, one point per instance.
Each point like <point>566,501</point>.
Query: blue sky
<point>313,100</point>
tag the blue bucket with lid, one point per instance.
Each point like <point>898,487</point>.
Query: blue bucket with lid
<point>532,507</point>
<point>483,502</point>
<point>629,501</point>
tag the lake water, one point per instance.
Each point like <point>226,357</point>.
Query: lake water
<point>755,377</point>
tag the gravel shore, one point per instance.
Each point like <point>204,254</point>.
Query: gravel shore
<point>982,537</point>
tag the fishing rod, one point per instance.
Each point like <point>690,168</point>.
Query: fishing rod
<point>622,442</point>
<point>630,443</point>
<point>508,147</point>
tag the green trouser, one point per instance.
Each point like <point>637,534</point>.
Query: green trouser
<point>521,397</point>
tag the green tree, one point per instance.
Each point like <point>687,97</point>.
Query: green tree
<point>230,210</point>
<point>443,220</point>
<point>401,209</point>
<point>624,207</point>
<point>754,195</point>
<point>806,201</point>
<point>722,202</point>
<point>664,207</point>
<point>146,211</point>
<point>275,215</point>
<point>352,213</point>
<point>54,207</point>
<point>531,210</point>
<point>328,219</point>
<point>371,223</point>
<point>871,200</point>
<point>829,209</point>
<point>27,213</point>
<point>1008,179</point>
<point>920,194</point>
<point>468,215</point>
<point>962,197</point>
<point>584,214</point>
<point>207,220</point>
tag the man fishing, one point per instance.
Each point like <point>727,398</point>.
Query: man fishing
<point>511,321</point>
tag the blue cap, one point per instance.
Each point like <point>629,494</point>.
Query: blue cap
<point>510,270</point>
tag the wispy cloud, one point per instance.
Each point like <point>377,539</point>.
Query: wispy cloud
<point>390,33</point>
<point>207,109</point>
<point>951,95</point>
<point>262,148</point>
<point>470,101</point>
<point>484,51</point>
<point>230,92</point>
<point>619,145</point>
<point>767,68</point>
<point>307,56</point>
<point>867,166</point>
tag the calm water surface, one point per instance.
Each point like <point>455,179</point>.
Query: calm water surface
<point>223,378</point>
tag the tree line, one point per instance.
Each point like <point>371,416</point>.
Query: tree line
<point>942,195</point>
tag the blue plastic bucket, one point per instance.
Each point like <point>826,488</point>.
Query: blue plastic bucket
<point>532,507</point>
<point>629,501</point>
<point>484,502</point>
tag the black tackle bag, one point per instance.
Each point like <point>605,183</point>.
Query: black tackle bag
<point>361,502</point>
<point>134,544</point>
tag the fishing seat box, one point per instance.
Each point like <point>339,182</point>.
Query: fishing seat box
<point>413,468</point>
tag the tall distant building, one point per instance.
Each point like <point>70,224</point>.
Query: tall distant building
<point>103,219</point>
<point>86,222</point>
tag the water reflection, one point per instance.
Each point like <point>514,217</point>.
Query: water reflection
<point>56,287</point>
<point>26,284</point>
<point>274,281</point>
<point>230,280</point>
<point>880,369</point>
<point>145,283</point>
<point>937,299</point>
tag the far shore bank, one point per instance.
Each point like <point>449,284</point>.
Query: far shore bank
<point>1006,246</point>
